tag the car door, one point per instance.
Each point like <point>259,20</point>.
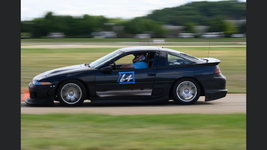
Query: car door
<point>125,83</point>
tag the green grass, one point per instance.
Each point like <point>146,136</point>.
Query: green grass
<point>36,61</point>
<point>135,132</point>
<point>133,40</point>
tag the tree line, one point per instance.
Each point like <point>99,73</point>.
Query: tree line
<point>189,15</point>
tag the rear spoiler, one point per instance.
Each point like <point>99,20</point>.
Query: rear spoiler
<point>210,60</point>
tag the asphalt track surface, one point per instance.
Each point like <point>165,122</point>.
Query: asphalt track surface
<point>232,103</point>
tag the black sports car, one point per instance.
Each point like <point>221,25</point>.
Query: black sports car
<point>168,74</point>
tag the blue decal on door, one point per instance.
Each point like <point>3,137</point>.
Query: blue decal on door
<point>126,77</point>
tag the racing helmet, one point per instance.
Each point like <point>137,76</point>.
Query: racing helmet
<point>139,57</point>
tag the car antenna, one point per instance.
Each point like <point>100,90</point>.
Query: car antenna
<point>209,47</point>
<point>208,51</point>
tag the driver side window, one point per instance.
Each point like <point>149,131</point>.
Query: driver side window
<point>125,60</point>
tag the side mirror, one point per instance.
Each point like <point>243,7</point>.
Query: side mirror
<point>106,69</point>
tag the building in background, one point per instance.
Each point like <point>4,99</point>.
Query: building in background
<point>172,31</point>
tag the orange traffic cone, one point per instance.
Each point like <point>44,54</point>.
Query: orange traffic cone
<point>25,95</point>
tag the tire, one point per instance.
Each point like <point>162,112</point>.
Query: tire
<point>71,93</point>
<point>186,91</point>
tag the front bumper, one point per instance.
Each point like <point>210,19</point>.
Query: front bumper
<point>41,94</point>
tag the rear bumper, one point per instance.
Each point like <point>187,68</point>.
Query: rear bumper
<point>216,88</point>
<point>41,95</point>
<point>215,94</point>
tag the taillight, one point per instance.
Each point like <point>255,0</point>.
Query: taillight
<point>217,69</point>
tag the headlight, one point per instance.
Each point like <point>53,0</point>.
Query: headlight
<point>36,82</point>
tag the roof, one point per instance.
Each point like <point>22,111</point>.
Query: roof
<point>140,48</point>
<point>147,48</point>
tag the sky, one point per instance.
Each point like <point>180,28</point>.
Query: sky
<point>126,9</point>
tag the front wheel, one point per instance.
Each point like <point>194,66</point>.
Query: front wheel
<point>186,91</point>
<point>71,93</point>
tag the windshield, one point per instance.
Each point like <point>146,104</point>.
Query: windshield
<point>105,59</point>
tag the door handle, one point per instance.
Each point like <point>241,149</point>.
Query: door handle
<point>151,74</point>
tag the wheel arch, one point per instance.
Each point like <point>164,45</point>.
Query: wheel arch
<point>86,87</point>
<point>202,90</point>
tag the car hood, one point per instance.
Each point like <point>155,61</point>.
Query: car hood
<point>58,71</point>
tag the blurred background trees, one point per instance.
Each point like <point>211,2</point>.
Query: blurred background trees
<point>211,14</point>
<point>200,12</point>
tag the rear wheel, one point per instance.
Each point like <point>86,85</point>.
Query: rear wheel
<point>186,91</point>
<point>71,93</point>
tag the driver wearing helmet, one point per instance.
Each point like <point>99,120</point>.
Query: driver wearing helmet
<point>138,62</point>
